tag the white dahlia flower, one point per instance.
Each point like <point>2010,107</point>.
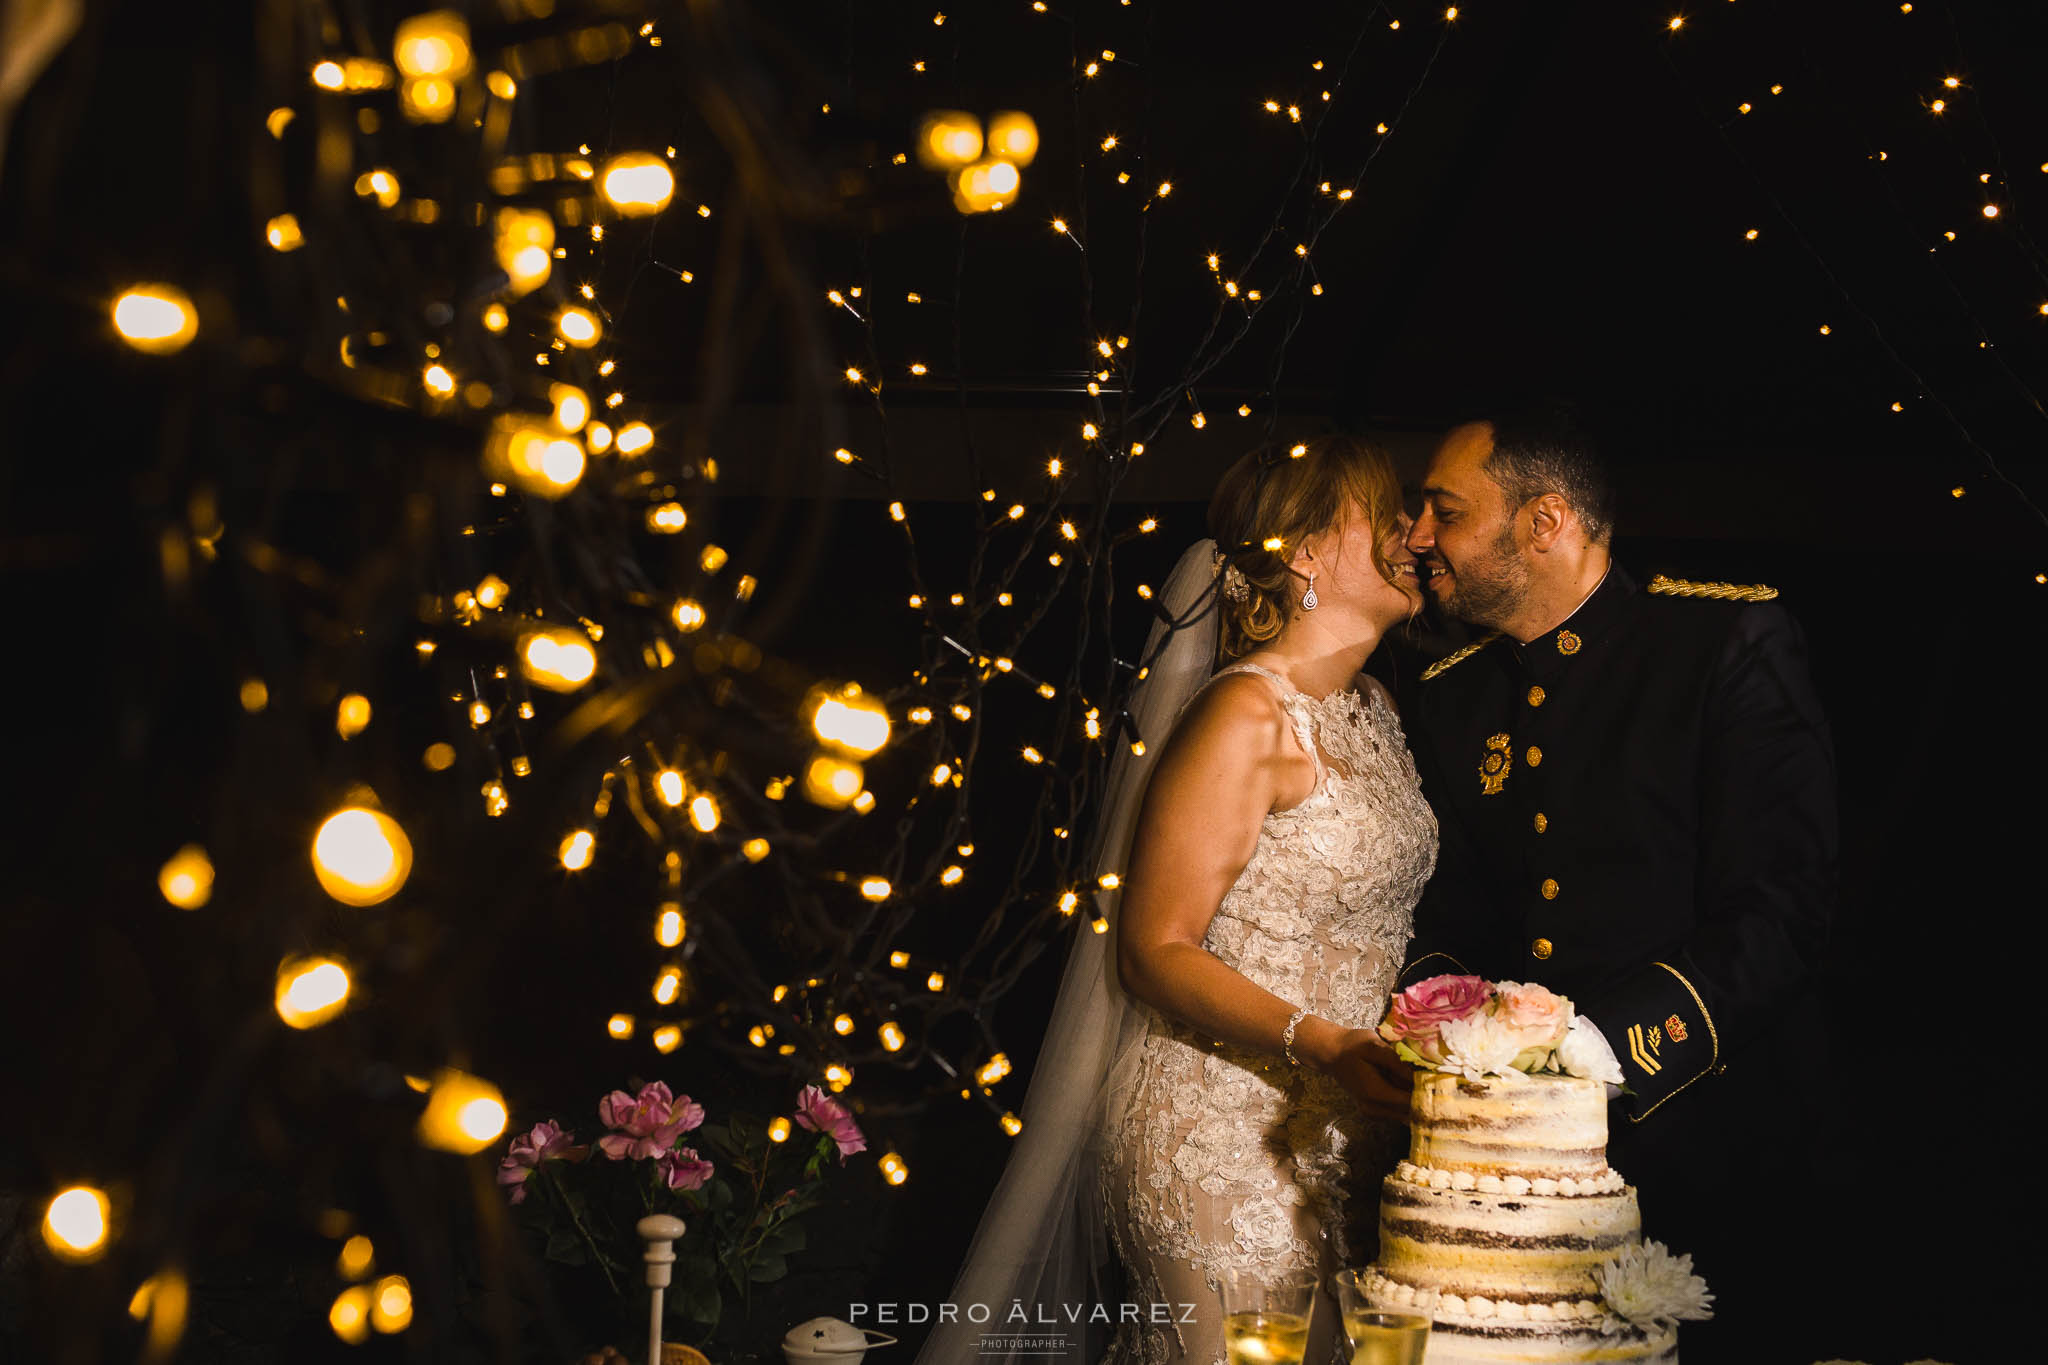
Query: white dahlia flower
<point>1647,1287</point>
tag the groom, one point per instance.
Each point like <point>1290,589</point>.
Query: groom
<point>1636,793</point>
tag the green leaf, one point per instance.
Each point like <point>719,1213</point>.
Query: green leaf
<point>784,1239</point>
<point>566,1247</point>
<point>767,1269</point>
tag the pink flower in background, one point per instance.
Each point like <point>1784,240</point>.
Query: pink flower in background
<point>683,1169</point>
<point>544,1142</point>
<point>821,1113</point>
<point>1536,1016</point>
<point>647,1124</point>
<point>1417,1015</point>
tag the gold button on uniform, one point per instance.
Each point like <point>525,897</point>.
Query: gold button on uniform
<point>1540,948</point>
<point>1542,822</point>
<point>1535,756</point>
<point>1549,888</point>
<point>1536,695</point>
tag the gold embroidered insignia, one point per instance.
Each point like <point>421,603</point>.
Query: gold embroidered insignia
<point>1493,769</point>
<point>1674,1028</point>
<point>1459,655</point>
<point>1567,643</point>
<point>1655,1038</point>
<point>1725,592</point>
<point>1636,1049</point>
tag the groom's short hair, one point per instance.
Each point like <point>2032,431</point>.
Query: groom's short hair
<point>1547,449</point>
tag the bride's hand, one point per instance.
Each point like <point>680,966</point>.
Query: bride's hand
<point>1366,1067</point>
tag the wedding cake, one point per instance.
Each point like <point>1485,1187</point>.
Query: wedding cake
<point>1505,1225</point>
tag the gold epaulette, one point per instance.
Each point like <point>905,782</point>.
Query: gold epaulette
<point>1459,655</point>
<point>1726,592</point>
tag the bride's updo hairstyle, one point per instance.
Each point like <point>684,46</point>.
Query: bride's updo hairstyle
<point>1274,492</point>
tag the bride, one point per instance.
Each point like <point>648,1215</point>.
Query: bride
<point>1211,1077</point>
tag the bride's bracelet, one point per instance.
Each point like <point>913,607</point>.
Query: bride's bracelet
<point>1287,1035</point>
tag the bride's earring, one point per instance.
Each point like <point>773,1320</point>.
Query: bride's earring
<point>1308,599</point>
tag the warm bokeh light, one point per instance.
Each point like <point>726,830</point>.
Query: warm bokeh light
<point>186,879</point>
<point>1013,136</point>
<point>670,787</point>
<point>356,1258</point>
<point>156,318</point>
<point>427,99</point>
<point>633,438</point>
<point>572,406</point>
<point>310,991</point>
<point>163,1300</point>
<point>667,986</point>
<point>948,138</point>
<point>350,1314</point>
<point>283,234</point>
<point>352,715</point>
<point>523,241</point>
<point>667,1038</point>
<point>893,1169</point>
<point>1012,1124</point>
<point>985,186</point>
<point>433,44</point>
<point>832,781</point>
<point>579,327</point>
<point>637,184</point>
<point>560,659</point>
<point>619,1026</point>
<point>75,1223</point>
<point>361,856</point>
<point>874,888</point>
<point>378,184</point>
<point>703,813</point>
<point>391,1304</point>
<point>576,850</point>
<point>537,458</point>
<point>850,720</point>
<point>668,926</point>
<point>464,1114</point>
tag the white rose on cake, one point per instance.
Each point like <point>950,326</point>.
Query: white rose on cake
<point>1481,1046</point>
<point>1585,1052</point>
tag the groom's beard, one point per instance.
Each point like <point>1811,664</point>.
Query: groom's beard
<point>1489,590</point>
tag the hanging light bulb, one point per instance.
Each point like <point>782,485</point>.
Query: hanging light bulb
<point>559,659</point>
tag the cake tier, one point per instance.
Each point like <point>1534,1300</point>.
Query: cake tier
<point>1525,1249</point>
<point>1535,1127</point>
<point>1452,1342</point>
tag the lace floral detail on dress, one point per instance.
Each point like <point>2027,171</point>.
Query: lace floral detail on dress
<point>1226,1159</point>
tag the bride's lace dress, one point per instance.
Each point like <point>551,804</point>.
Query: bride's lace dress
<point>1227,1159</point>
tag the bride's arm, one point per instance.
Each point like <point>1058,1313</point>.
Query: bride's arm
<point>1230,761</point>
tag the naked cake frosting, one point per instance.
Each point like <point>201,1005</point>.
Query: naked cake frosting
<point>1499,1224</point>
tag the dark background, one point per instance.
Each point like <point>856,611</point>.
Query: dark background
<point>1561,210</point>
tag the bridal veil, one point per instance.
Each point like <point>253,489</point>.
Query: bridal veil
<point>1036,1267</point>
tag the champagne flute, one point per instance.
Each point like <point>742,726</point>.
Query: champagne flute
<point>1266,1316</point>
<point>1378,1337</point>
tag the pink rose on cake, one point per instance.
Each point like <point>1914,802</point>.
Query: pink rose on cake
<point>1416,1017</point>
<point>1537,1016</point>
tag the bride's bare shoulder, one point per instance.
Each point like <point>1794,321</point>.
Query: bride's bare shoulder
<point>1240,711</point>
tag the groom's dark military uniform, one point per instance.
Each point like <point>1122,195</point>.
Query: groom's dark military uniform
<point>1638,811</point>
